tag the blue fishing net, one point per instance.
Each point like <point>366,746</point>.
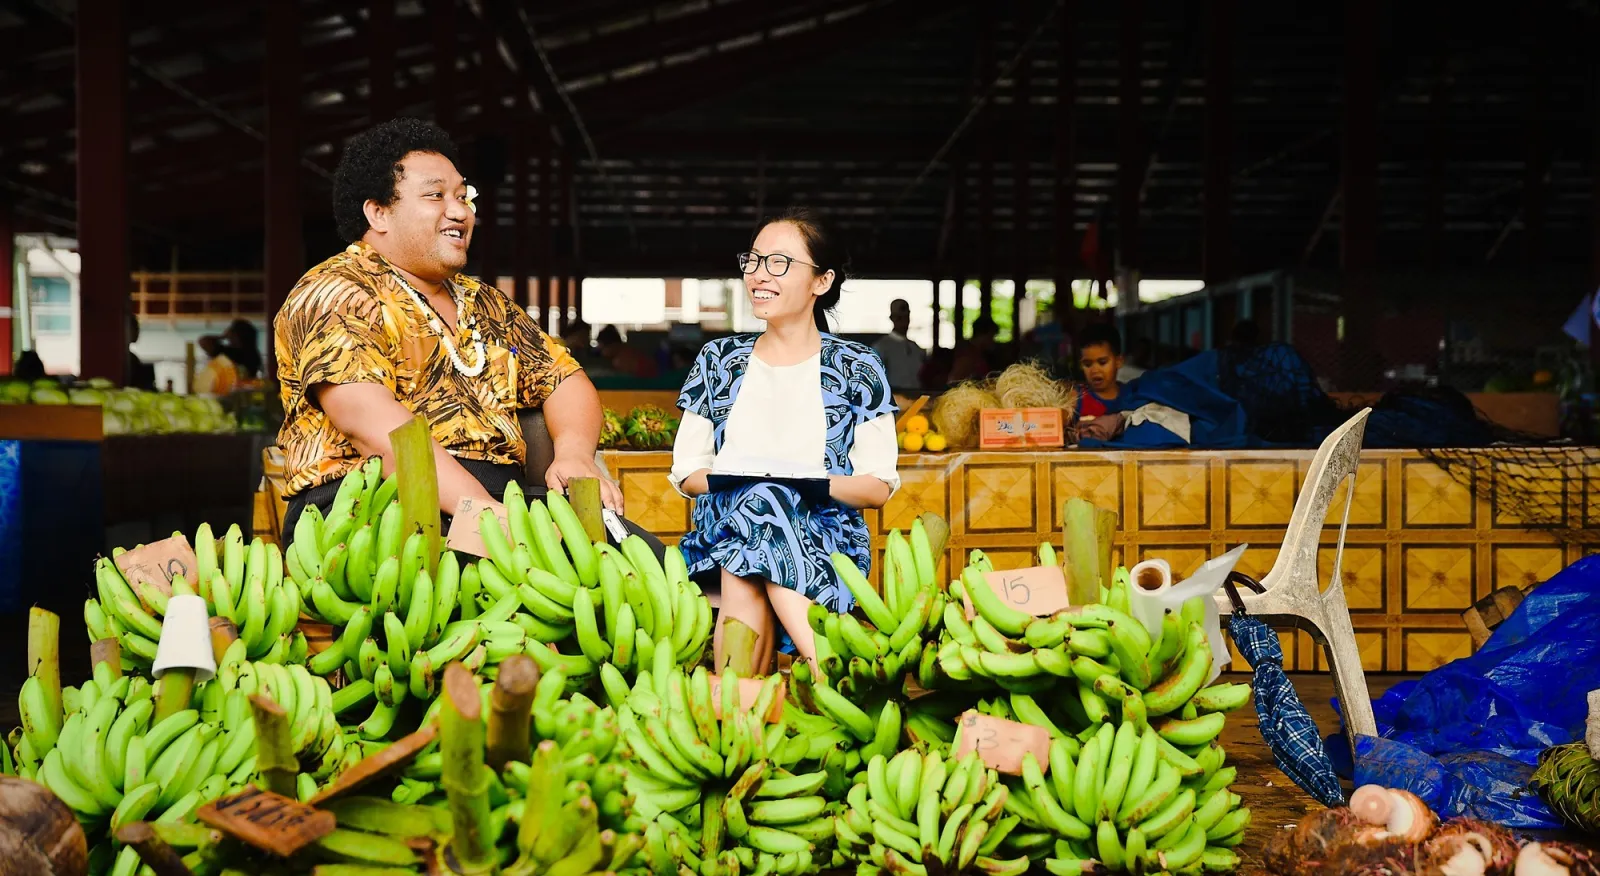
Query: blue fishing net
<point>1467,736</point>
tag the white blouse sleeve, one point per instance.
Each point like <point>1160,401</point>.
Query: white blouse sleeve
<point>692,450</point>
<point>876,451</point>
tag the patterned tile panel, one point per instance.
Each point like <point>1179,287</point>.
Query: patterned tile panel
<point>1423,543</point>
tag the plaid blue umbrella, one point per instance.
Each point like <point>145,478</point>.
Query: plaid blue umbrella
<point>1285,724</point>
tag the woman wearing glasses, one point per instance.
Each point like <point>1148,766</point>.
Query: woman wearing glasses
<point>792,400</point>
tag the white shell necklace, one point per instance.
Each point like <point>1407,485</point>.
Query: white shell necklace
<point>438,327</point>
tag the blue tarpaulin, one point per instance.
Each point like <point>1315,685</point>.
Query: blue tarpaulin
<point>1467,736</point>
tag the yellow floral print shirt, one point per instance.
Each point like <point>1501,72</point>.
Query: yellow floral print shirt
<point>349,320</point>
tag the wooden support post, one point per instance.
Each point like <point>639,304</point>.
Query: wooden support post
<point>543,268</point>
<point>1437,134</point>
<point>491,159</point>
<point>1131,154</point>
<point>102,76</point>
<point>442,18</point>
<point>380,59</point>
<point>1536,162</point>
<point>1020,179</point>
<point>8,297</point>
<point>566,239</point>
<point>1217,241</point>
<point>284,258</point>
<point>1063,157</point>
<point>521,220</point>
<point>985,137</point>
<point>1359,357</point>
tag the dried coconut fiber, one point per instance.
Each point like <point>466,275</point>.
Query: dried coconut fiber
<point>1028,385</point>
<point>955,414</point>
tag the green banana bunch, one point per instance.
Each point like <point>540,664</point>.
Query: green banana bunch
<point>309,700</point>
<point>245,584</point>
<point>714,784</point>
<point>858,657</point>
<point>920,814</point>
<point>112,764</point>
<point>564,833</point>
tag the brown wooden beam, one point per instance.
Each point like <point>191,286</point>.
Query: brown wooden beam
<point>102,76</point>
<point>1360,362</point>
<point>628,101</point>
<point>284,259</point>
<point>1217,256</point>
<point>1130,133</point>
<point>566,236</point>
<point>681,34</point>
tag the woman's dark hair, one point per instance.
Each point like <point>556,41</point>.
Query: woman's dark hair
<point>370,167</point>
<point>827,251</point>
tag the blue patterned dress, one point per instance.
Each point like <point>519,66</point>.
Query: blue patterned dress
<point>765,530</point>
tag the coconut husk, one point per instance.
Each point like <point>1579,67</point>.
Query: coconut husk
<point>955,414</point>
<point>1029,385</point>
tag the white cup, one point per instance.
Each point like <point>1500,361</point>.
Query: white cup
<point>186,639</point>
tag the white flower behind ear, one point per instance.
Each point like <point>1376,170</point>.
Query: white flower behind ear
<point>472,194</point>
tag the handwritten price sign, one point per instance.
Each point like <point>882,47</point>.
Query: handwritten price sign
<point>268,821</point>
<point>1040,591</point>
<point>463,535</point>
<point>159,564</point>
<point>1002,744</point>
<point>749,692</point>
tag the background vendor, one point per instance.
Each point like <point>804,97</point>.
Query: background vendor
<point>1100,357</point>
<point>793,397</point>
<point>390,328</point>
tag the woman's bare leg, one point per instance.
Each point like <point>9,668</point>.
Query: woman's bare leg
<point>791,609</point>
<point>745,600</point>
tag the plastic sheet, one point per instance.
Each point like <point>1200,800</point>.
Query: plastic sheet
<point>1466,736</point>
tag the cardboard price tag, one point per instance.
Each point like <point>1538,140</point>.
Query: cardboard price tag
<point>1039,590</point>
<point>267,821</point>
<point>749,692</point>
<point>157,564</point>
<point>463,535</point>
<point>1012,428</point>
<point>384,762</point>
<point>1001,744</point>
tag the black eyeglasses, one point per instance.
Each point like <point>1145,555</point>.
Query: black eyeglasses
<point>777,264</point>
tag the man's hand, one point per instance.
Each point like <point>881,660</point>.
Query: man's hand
<point>565,468</point>
<point>1102,428</point>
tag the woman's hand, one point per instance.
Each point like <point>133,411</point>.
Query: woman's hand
<point>858,491</point>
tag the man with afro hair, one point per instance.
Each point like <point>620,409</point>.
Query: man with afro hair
<point>390,328</point>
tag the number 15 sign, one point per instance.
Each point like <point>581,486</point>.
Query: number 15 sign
<point>1040,591</point>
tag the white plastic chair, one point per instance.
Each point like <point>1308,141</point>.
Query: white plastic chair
<point>1292,597</point>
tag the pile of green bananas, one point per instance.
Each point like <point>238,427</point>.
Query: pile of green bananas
<point>108,758</point>
<point>570,586</point>
<point>565,833</point>
<point>243,584</point>
<point>857,657</point>
<point>713,781</point>
<point>916,815</point>
<point>1124,801</point>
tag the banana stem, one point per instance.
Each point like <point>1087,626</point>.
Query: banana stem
<point>153,851</point>
<point>510,711</point>
<point>464,774</point>
<point>275,758</point>
<point>1081,540</point>
<point>109,652</point>
<point>583,494</point>
<point>177,690</point>
<point>938,533</point>
<point>419,486</point>
<point>223,634</point>
<point>44,653</point>
<point>1105,533</point>
<point>738,648</point>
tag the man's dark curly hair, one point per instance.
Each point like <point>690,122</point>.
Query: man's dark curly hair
<point>370,168</point>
